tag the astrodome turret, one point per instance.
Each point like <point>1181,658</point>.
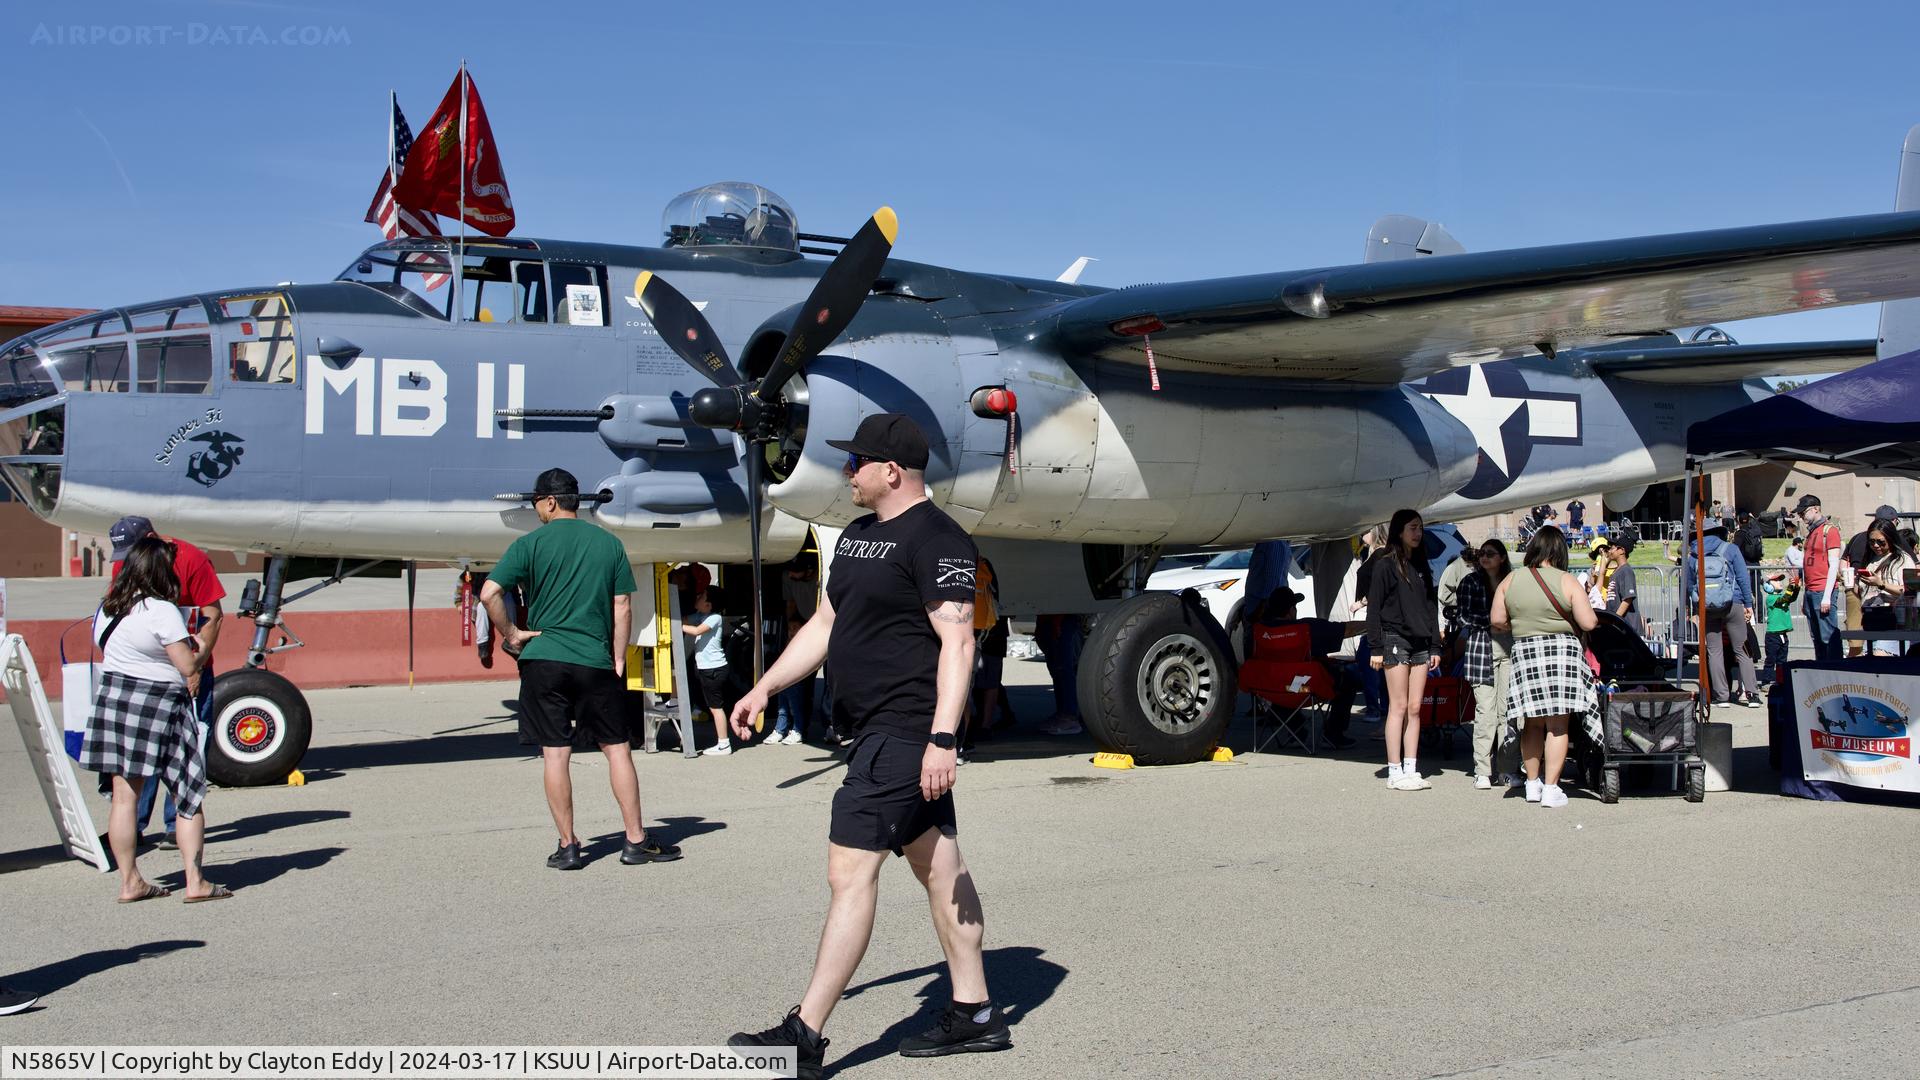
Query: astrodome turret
<point>730,214</point>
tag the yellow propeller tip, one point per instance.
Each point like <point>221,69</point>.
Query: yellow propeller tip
<point>889,224</point>
<point>640,283</point>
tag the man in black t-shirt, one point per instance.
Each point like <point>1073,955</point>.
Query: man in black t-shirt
<point>896,630</point>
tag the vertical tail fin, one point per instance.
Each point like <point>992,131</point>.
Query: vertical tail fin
<point>1900,319</point>
<point>1397,236</point>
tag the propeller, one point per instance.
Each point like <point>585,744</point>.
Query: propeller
<point>754,409</point>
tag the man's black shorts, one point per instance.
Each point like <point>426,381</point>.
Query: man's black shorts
<point>879,806</point>
<point>556,698</point>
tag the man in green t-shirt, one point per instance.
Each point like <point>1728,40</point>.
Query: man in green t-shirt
<point>573,656</point>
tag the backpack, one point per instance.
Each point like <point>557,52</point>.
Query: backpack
<point>1750,544</point>
<point>1717,577</point>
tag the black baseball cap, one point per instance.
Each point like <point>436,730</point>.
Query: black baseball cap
<point>1806,500</point>
<point>1284,596</point>
<point>556,482</point>
<point>887,437</point>
<point>1885,512</point>
<point>127,532</point>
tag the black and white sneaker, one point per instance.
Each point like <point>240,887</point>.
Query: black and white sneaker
<point>567,857</point>
<point>13,1001</point>
<point>793,1032</point>
<point>961,1030</point>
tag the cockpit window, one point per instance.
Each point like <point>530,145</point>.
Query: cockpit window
<point>418,278</point>
<point>263,347</point>
<point>579,294</point>
<point>23,377</point>
<point>91,354</point>
<point>730,214</point>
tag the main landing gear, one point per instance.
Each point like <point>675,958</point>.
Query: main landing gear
<point>1158,680</point>
<point>259,724</point>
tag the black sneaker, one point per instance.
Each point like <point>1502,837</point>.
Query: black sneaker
<point>961,1032</point>
<point>168,843</point>
<point>567,857</point>
<point>13,1001</point>
<point>793,1032</point>
<point>648,850</point>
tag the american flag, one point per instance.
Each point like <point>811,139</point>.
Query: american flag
<point>396,220</point>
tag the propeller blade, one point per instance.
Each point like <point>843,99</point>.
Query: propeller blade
<point>756,465</point>
<point>684,329</point>
<point>834,301</point>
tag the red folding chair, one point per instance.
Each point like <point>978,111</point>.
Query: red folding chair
<point>1290,689</point>
<point>1446,707</point>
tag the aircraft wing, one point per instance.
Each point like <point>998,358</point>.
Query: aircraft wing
<point>1732,363</point>
<point>1390,322</point>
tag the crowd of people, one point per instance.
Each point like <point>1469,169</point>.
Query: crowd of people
<point>914,675</point>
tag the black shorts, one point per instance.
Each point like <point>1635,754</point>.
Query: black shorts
<point>558,699</point>
<point>714,684</point>
<point>879,806</point>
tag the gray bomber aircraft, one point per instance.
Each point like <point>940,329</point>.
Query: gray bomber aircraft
<point>380,415</point>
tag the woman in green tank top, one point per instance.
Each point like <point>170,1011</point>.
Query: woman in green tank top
<point>1543,605</point>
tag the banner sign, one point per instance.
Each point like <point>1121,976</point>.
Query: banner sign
<point>1854,727</point>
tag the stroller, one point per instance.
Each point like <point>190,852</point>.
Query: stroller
<point>1645,718</point>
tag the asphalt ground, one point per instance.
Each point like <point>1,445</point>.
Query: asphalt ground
<point>1276,916</point>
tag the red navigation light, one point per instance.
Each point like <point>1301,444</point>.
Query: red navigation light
<point>994,403</point>
<point>1138,326</point>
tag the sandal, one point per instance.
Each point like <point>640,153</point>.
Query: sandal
<point>220,892</point>
<point>154,892</point>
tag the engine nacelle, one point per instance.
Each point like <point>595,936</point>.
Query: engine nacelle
<point>898,357</point>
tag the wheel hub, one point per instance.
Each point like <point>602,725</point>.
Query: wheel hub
<point>1177,683</point>
<point>250,727</point>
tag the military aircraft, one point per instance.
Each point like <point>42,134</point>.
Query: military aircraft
<point>1076,430</point>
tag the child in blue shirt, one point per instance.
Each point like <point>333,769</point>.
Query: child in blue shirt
<point>710,664</point>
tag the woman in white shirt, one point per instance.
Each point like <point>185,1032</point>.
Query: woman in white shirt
<point>143,727</point>
<point>1884,598</point>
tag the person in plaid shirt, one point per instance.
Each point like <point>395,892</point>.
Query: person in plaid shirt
<point>1486,666</point>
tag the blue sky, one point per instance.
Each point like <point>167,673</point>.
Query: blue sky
<point>1171,141</point>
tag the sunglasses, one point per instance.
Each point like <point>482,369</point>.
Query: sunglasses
<point>856,461</point>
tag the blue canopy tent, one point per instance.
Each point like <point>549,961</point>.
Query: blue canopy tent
<point>1866,421</point>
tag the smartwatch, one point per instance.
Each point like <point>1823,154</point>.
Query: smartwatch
<point>942,739</point>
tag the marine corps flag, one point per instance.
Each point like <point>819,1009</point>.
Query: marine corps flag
<point>454,169</point>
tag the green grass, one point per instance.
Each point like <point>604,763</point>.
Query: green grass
<point>1648,553</point>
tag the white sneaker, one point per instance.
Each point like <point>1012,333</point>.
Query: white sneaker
<point>1393,776</point>
<point>1412,782</point>
<point>719,749</point>
<point>1534,788</point>
<point>1482,783</point>
<point>793,738</point>
<point>1551,796</point>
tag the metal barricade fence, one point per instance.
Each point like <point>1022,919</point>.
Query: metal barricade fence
<point>1671,621</point>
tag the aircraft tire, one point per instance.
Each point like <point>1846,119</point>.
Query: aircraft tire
<point>1157,680</point>
<point>260,727</point>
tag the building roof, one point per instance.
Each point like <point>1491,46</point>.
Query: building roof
<point>30,318</point>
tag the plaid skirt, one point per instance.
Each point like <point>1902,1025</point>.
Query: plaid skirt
<point>1550,678</point>
<point>146,728</point>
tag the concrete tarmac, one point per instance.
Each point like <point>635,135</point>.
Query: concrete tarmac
<point>1276,916</point>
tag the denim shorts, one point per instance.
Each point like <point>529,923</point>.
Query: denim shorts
<point>1409,651</point>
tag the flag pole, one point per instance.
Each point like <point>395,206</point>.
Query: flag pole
<point>459,271</point>
<point>393,106</point>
